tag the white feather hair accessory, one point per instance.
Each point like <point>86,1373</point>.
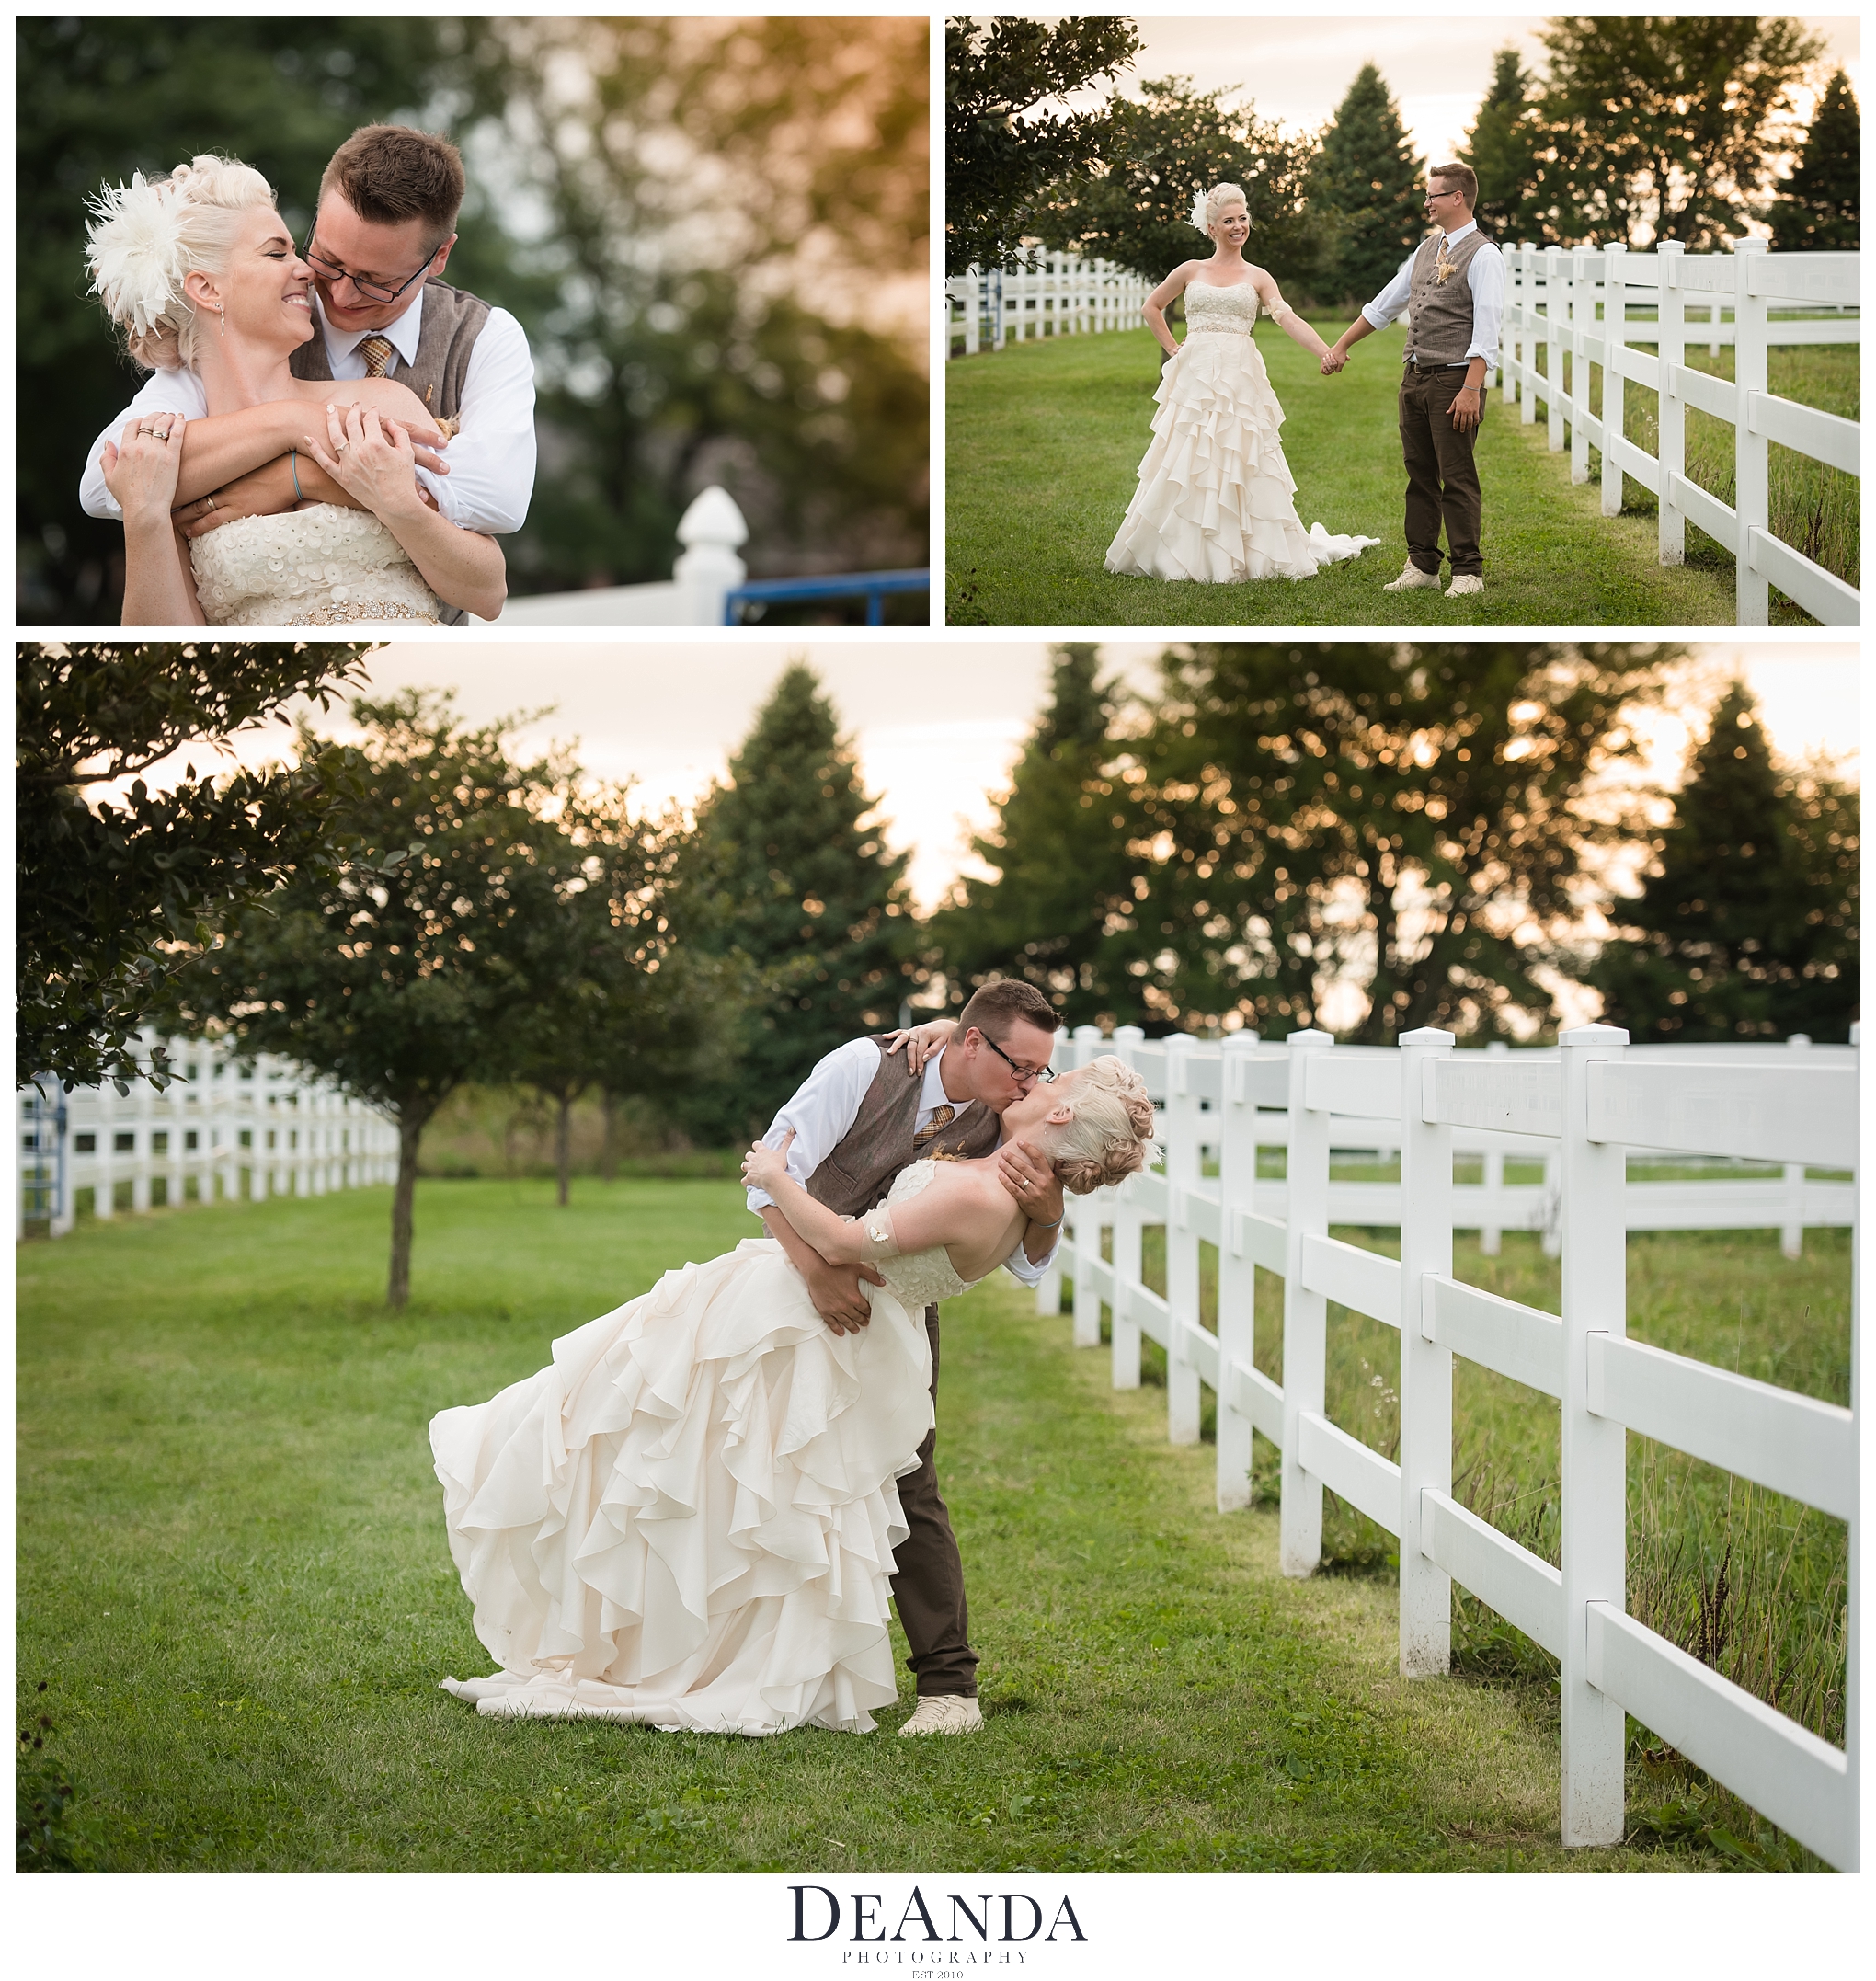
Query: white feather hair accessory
<point>1201,200</point>
<point>135,249</point>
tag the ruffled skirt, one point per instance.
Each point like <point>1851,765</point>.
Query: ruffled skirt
<point>1217,502</point>
<point>688,1518</point>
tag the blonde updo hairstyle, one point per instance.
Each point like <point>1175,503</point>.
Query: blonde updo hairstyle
<point>1205,205</point>
<point>1111,1133</point>
<point>147,238</point>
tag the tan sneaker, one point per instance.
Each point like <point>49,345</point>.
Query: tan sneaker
<point>1466,583</point>
<point>945,1712</point>
<point>1412,578</point>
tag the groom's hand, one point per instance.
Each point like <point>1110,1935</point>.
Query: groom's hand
<point>1026,1174</point>
<point>1334,360</point>
<point>835,1291</point>
<point>265,491</point>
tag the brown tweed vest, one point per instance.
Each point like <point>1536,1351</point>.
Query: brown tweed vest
<point>452,319</point>
<point>858,1170</point>
<point>1440,311</point>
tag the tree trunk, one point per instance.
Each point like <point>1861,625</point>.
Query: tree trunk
<point>410,1124</point>
<point>609,1149</point>
<point>562,1142</point>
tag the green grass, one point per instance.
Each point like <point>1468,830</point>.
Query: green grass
<point>1043,439</point>
<point>233,1577</point>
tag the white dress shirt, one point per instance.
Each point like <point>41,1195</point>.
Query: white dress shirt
<point>491,461</point>
<point>827,1105</point>
<point>1484,278</point>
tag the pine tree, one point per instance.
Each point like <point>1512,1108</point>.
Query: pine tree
<point>1818,209</point>
<point>1504,147</point>
<point>1369,179</point>
<point>1745,926</point>
<point>785,869</point>
<point>1060,913</point>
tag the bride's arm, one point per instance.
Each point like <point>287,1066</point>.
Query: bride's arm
<point>1285,318</point>
<point>159,587</point>
<point>1154,308</point>
<point>950,1213</point>
<point>373,459</point>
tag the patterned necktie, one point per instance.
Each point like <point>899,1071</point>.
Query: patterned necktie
<point>941,1118</point>
<point>377,353</point>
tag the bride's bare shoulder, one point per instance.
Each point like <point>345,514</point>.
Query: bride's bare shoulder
<point>385,395</point>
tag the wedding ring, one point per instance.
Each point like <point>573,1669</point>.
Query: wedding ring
<point>338,447</point>
<point>208,503</point>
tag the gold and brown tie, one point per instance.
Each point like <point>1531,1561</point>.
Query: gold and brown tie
<point>377,353</point>
<point>941,1118</point>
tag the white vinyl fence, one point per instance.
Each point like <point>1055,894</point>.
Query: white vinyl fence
<point>1591,1103</point>
<point>1601,306</point>
<point>1059,297</point>
<point>220,1131</point>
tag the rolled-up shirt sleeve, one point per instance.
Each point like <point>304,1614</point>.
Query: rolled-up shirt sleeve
<point>1393,300</point>
<point>491,477</point>
<point>822,1110</point>
<point>1020,1265</point>
<point>1485,277</point>
<point>163,391</point>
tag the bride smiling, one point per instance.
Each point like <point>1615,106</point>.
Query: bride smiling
<point>199,272</point>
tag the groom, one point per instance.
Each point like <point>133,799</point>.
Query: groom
<point>382,235</point>
<point>860,1118</point>
<point>1453,286</point>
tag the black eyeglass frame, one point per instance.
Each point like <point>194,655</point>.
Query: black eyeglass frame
<point>1046,1074</point>
<point>374,292</point>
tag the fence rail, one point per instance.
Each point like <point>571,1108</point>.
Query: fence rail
<point>221,1130</point>
<point>1582,304</point>
<point>1060,296</point>
<point>1589,1106</point>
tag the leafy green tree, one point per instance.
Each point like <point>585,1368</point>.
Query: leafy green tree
<point>1059,912</point>
<point>1407,819</point>
<point>1819,208</point>
<point>1663,126</point>
<point>1508,149</point>
<point>1136,209</point>
<point>789,869</point>
<point>1368,177</point>
<point>1003,152</point>
<point>115,883</point>
<point>1746,923</point>
<point>410,969</point>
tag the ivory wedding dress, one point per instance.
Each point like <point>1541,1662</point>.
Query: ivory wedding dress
<point>320,567</point>
<point>1217,502</point>
<point>688,1518</point>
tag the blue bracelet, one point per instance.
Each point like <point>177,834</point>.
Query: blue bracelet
<point>292,455</point>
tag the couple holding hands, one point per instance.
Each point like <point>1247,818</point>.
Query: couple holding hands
<point>1217,502</point>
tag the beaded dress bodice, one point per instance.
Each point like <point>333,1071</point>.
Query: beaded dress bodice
<point>319,567</point>
<point>918,1279</point>
<point>1209,307</point>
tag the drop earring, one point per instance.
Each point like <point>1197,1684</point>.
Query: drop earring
<point>224,323</point>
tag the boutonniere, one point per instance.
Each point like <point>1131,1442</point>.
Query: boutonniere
<point>1442,266</point>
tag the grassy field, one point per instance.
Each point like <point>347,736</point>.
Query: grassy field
<point>1042,441</point>
<point>233,1584</point>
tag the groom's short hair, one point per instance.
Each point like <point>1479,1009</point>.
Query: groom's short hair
<point>389,173</point>
<point>997,1006</point>
<point>1459,178</point>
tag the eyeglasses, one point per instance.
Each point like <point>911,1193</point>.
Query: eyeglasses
<point>1452,192</point>
<point>375,292</point>
<point>1045,1073</point>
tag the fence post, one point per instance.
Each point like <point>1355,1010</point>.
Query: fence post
<point>1594,1449</point>
<point>1671,414</point>
<point>1527,348</point>
<point>1492,1178</point>
<point>1089,1219</point>
<point>142,1102</point>
<point>1184,1165</point>
<point>1305,1316</point>
<point>1751,483</point>
<point>1791,1237</point>
<point>1582,289</point>
<point>1557,326</point>
<point>1615,337</point>
<point>710,530</point>
<point>1237,1274</point>
<point>973,313</point>
<point>1125,1333</point>
<point>1426,1369</point>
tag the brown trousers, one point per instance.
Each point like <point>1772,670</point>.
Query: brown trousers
<point>1442,475</point>
<point>928,1585</point>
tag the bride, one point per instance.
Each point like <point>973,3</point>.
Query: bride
<point>198,270</point>
<point>1217,502</point>
<point>688,1518</point>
